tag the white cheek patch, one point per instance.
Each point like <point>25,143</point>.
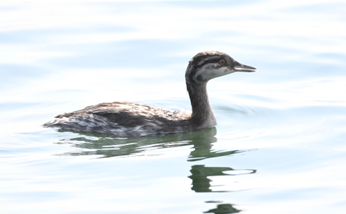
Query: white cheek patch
<point>221,72</point>
<point>211,71</point>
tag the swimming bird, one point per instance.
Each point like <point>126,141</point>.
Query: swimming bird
<point>125,119</point>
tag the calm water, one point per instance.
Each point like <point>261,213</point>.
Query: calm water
<point>279,146</point>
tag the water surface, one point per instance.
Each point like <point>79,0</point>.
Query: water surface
<point>279,146</point>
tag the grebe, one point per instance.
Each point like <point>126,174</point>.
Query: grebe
<point>132,119</point>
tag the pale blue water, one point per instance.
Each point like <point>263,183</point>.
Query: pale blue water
<point>279,146</point>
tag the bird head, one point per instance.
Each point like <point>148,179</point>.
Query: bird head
<point>211,64</point>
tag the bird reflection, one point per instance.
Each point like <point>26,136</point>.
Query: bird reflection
<point>223,209</point>
<point>202,142</point>
<point>200,180</point>
<point>200,174</point>
<point>203,147</point>
<point>106,147</point>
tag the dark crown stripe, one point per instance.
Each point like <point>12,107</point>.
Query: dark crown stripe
<point>195,65</point>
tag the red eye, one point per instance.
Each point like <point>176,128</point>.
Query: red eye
<point>222,62</point>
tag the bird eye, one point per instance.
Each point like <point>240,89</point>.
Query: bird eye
<point>222,62</point>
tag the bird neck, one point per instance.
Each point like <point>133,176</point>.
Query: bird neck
<point>202,114</point>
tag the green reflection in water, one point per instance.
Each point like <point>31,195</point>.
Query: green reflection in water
<point>200,174</point>
<point>201,142</point>
<point>106,147</point>
<point>202,150</point>
<point>223,209</point>
<point>200,180</point>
